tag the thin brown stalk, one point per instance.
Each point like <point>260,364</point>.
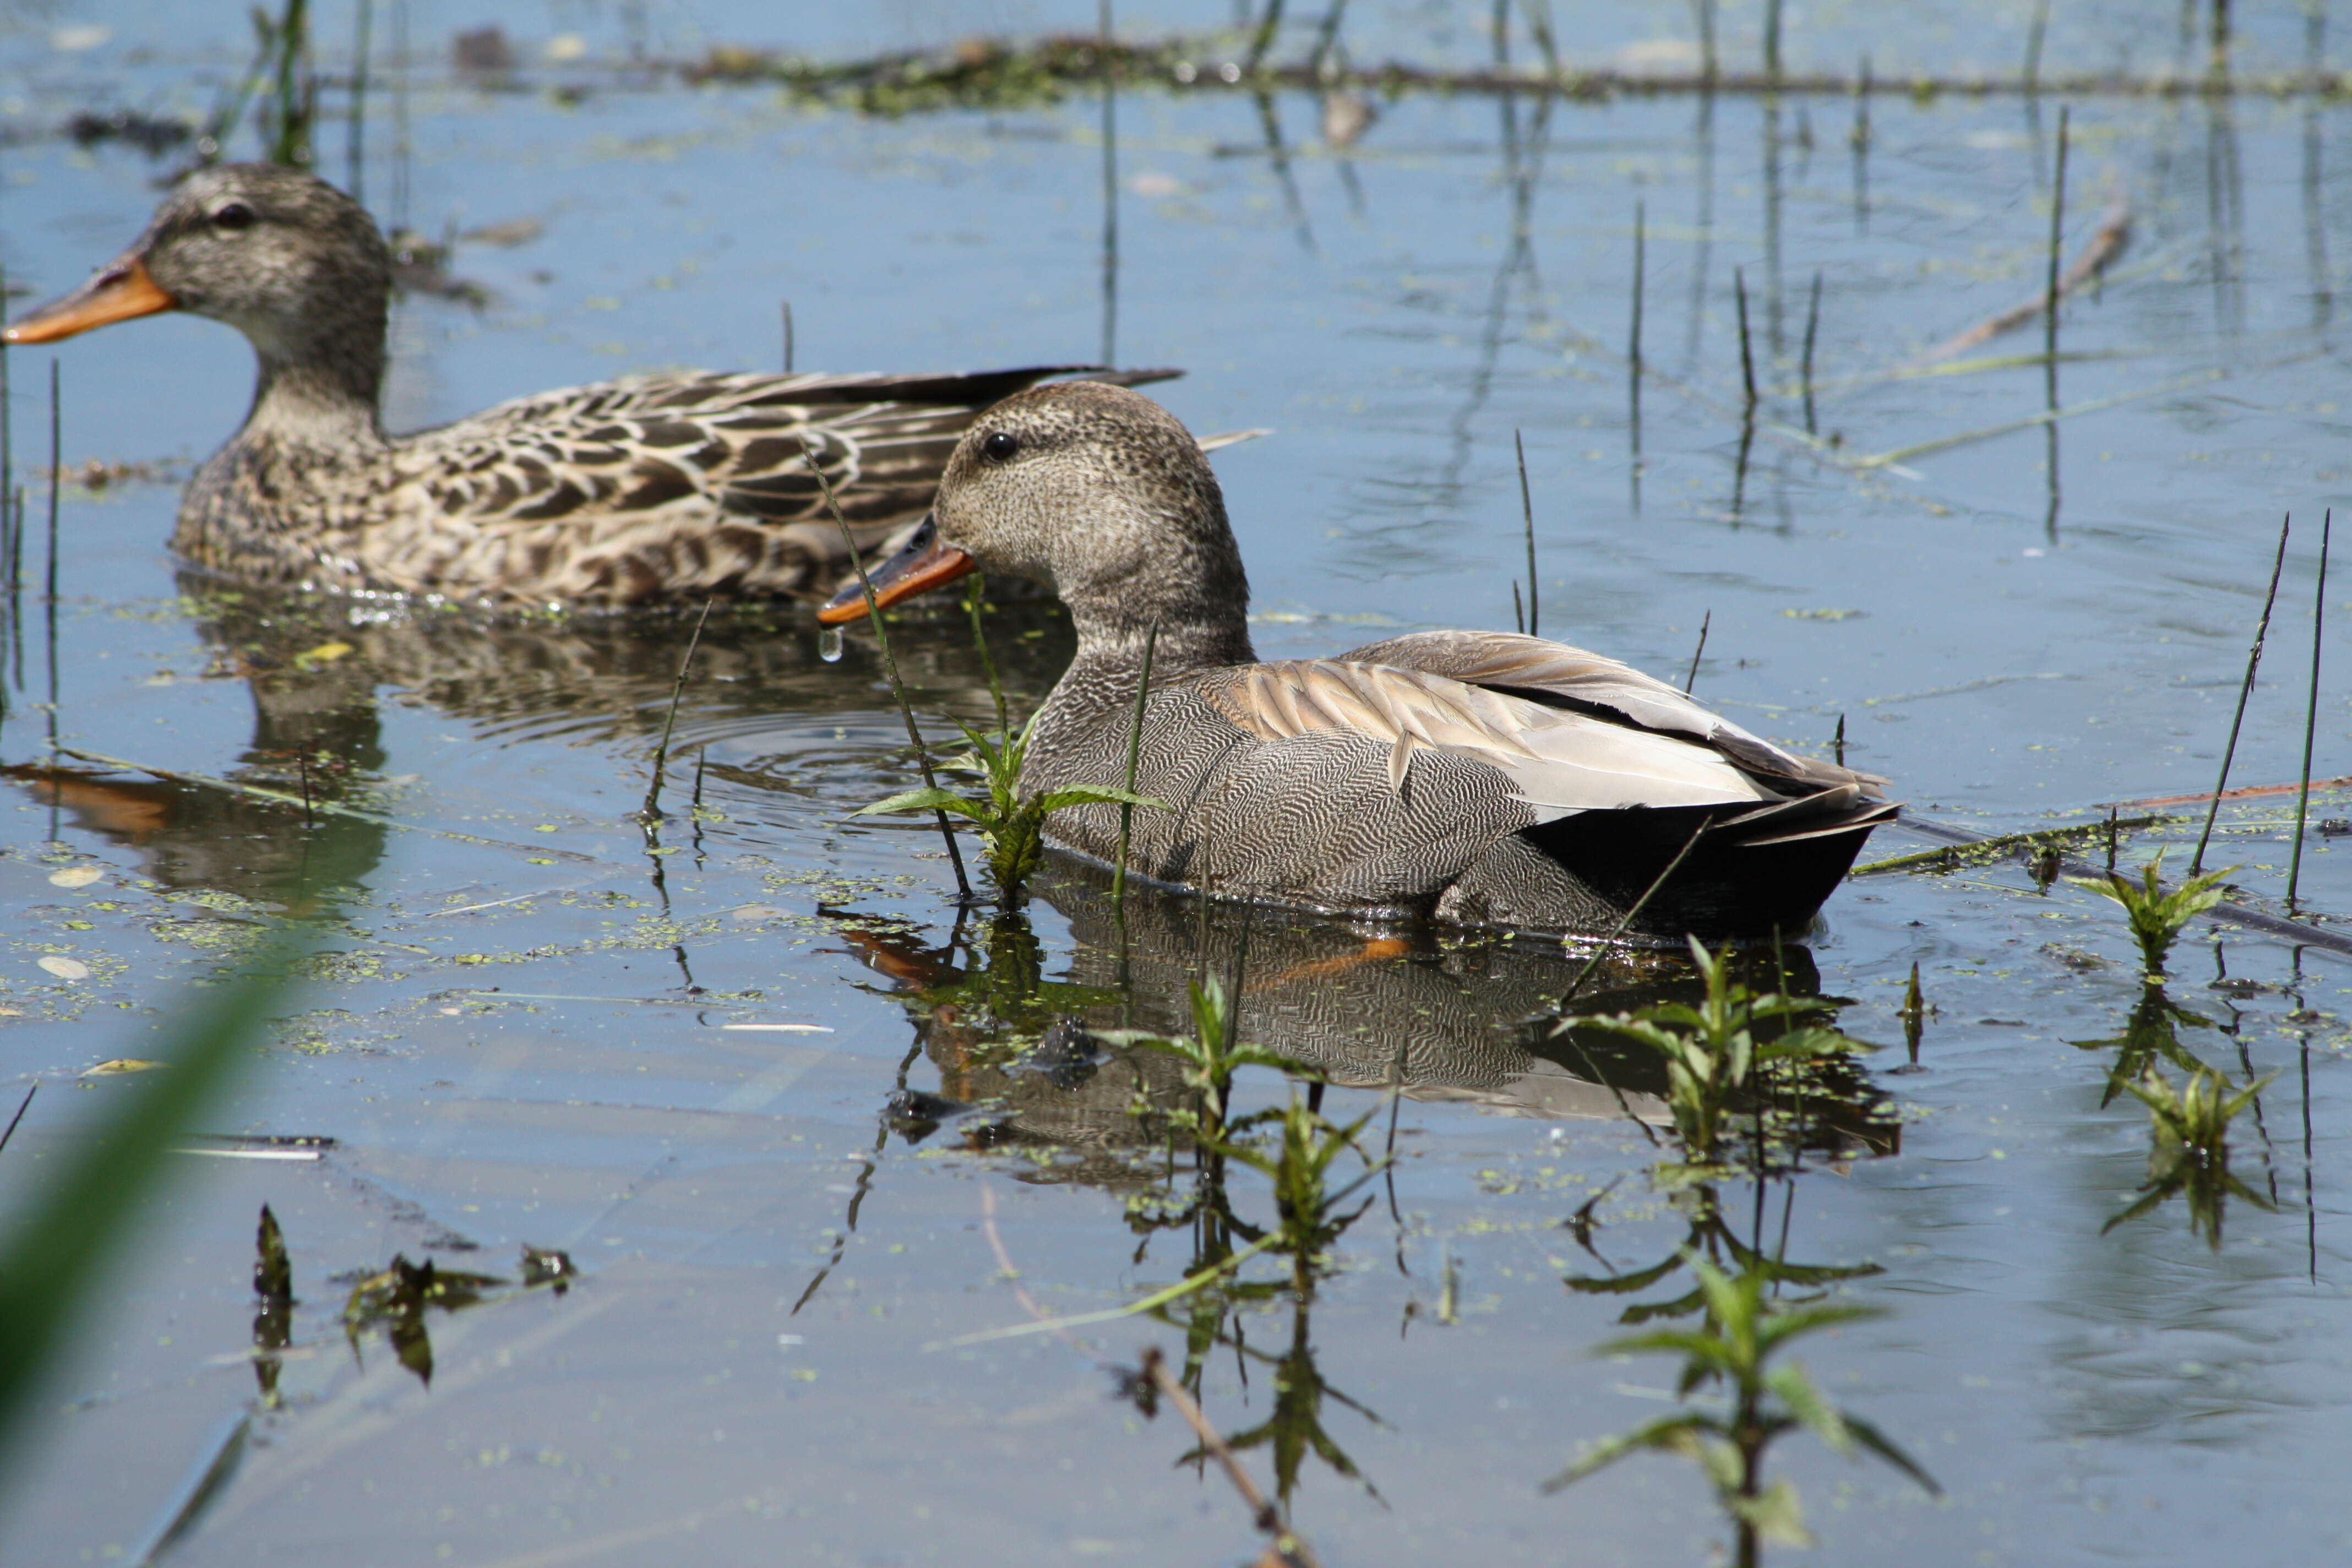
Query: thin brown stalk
<point>1281,1539</point>
<point>1691,680</point>
<point>1528,513</point>
<point>890,663</point>
<point>2311,710</point>
<point>1746,349</point>
<point>1134,755</point>
<point>2245,690</point>
<point>1631,915</point>
<point>26,1105</point>
<point>649,813</point>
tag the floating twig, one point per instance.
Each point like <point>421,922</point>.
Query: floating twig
<point>2113,233</point>
<point>2300,932</point>
<point>2245,690</point>
<point>2311,710</point>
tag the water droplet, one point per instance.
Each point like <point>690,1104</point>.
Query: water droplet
<point>828,645</point>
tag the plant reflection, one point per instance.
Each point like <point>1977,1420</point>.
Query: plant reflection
<point>1732,1350</point>
<point>2150,1035</point>
<point>2189,1131</point>
<point>396,1298</point>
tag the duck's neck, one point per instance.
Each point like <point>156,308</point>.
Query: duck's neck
<point>1098,688</point>
<point>318,399</point>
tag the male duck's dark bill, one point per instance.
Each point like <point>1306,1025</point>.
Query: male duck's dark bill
<point>923,564</point>
<point>117,294</point>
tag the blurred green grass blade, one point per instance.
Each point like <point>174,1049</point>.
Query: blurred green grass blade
<point>52,1256</point>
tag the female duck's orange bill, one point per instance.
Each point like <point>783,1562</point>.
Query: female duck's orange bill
<point>116,294</point>
<point>923,564</point>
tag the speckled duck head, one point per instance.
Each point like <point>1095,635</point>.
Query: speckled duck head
<point>1098,493</point>
<point>294,264</point>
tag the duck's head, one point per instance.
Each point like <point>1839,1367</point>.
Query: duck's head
<point>1095,492</point>
<point>282,256</point>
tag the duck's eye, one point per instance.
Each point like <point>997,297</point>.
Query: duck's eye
<point>234,216</point>
<point>1000,445</point>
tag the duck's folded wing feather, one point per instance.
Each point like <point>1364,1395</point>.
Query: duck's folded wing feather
<point>1513,662</point>
<point>1558,761</point>
<point>743,443</point>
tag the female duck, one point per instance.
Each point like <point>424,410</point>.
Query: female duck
<point>1481,778</point>
<point>627,492</point>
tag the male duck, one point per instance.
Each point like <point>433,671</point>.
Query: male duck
<point>652,488</point>
<point>1478,777</point>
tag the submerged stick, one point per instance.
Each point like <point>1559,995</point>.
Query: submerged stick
<point>650,812</point>
<point>1528,513</point>
<point>890,663</point>
<point>2113,233</point>
<point>1284,1543</point>
<point>1691,680</point>
<point>1134,754</point>
<point>2245,690</point>
<point>2311,710</point>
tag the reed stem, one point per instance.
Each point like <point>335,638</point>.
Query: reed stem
<point>2253,661</point>
<point>1747,347</point>
<point>1812,331</point>
<point>2311,710</point>
<point>649,813</point>
<point>1691,680</point>
<point>1633,351</point>
<point>890,663</point>
<point>1527,515</point>
<point>1134,755</point>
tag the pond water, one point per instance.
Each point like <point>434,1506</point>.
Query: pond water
<point>786,1111</point>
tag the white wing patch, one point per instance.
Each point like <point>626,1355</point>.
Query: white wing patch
<point>1558,763</point>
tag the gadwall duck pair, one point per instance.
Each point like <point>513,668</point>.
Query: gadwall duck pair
<point>635,491</point>
<point>1480,778</point>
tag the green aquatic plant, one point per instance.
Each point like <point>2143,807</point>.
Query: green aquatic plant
<point>2188,1127</point>
<point>2158,916</point>
<point>1743,1330</point>
<point>1012,827</point>
<point>1207,1060</point>
<point>1711,1050</point>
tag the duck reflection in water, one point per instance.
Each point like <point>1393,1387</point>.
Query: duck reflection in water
<point>1440,1016</point>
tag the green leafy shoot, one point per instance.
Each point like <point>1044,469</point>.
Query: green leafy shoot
<point>2189,1147</point>
<point>1208,1060</point>
<point>1711,1050</point>
<point>1733,1347</point>
<point>2157,917</point>
<point>1012,827</point>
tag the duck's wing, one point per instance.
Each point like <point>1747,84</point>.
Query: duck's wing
<point>743,442</point>
<point>1558,676</point>
<point>1557,760</point>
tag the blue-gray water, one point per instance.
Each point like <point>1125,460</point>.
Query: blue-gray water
<point>1393,314</point>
